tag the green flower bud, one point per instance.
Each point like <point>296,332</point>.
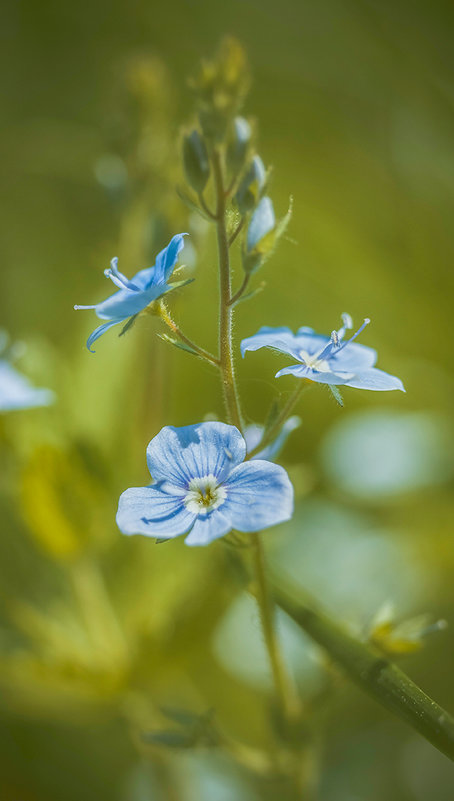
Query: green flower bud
<point>238,145</point>
<point>251,186</point>
<point>195,161</point>
<point>261,235</point>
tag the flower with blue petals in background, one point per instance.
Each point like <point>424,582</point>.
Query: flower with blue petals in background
<point>16,391</point>
<point>202,487</point>
<point>253,434</point>
<point>326,360</point>
<point>136,294</point>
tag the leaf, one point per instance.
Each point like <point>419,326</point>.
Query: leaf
<point>179,284</point>
<point>191,203</point>
<point>128,325</point>
<point>170,739</point>
<point>181,716</point>
<point>251,294</point>
<point>336,394</point>
<point>177,344</point>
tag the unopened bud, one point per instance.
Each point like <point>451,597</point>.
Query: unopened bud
<point>195,161</point>
<point>251,186</point>
<point>238,145</point>
<point>260,236</point>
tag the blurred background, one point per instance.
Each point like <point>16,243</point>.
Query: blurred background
<point>106,641</point>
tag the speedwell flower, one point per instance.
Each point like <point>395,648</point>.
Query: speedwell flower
<point>253,435</point>
<point>16,391</point>
<point>136,294</point>
<point>327,360</point>
<point>202,487</point>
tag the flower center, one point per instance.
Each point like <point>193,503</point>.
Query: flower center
<point>204,495</point>
<point>314,362</point>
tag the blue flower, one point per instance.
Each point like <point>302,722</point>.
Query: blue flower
<point>327,360</point>
<point>254,433</point>
<point>203,487</point>
<point>136,294</point>
<point>16,391</point>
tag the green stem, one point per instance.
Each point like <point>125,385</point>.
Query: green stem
<point>274,429</point>
<point>285,691</point>
<point>225,311</point>
<point>374,673</point>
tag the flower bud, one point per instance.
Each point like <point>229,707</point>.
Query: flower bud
<point>238,145</point>
<point>260,235</point>
<point>195,161</point>
<point>251,186</point>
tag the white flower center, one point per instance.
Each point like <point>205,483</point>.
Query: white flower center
<point>314,362</point>
<point>204,495</point>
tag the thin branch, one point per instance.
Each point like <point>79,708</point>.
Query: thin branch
<point>374,673</point>
<point>241,291</point>
<point>168,320</point>
<point>205,207</point>
<point>237,231</point>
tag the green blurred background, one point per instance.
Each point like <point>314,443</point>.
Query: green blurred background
<point>355,105</point>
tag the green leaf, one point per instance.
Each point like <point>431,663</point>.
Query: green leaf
<point>178,344</point>
<point>192,203</point>
<point>128,325</point>
<point>335,392</point>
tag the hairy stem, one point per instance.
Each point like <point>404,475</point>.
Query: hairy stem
<point>374,673</point>
<point>285,691</point>
<point>225,311</point>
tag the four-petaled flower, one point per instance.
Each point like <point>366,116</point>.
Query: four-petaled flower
<point>136,294</point>
<point>327,360</point>
<point>16,391</point>
<point>203,487</point>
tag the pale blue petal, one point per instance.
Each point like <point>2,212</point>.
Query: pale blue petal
<point>301,371</point>
<point>208,528</point>
<point>99,331</point>
<point>278,338</point>
<point>353,358</point>
<point>253,434</point>
<point>167,258</point>
<point>16,391</point>
<point>149,511</point>
<point>263,221</point>
<point>259,494</point>
<point>127,302</point>
<point>177,455</point>
<point>377,380</point>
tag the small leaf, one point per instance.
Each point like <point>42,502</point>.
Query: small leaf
<point>251,294</point>
<point>128,325</point>
<point>177,344</point>
<point>336,394</point>
<point>192,203</point>
<point>170,739</point>
<point>179,284</point>
<point>181,716</point>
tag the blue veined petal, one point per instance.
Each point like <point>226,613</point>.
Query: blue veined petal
<point>301,371</point>
<point>167,258</point>
<point>377,380</point>
<point>177,455</point>
<point>16,391</point>
<point>99,331</point>
<point>208,528</point>
<point>266,337</point>
<point>254,433</point>
<point>259,495</point>
<point>353,358</point>
<point>149,511</point>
